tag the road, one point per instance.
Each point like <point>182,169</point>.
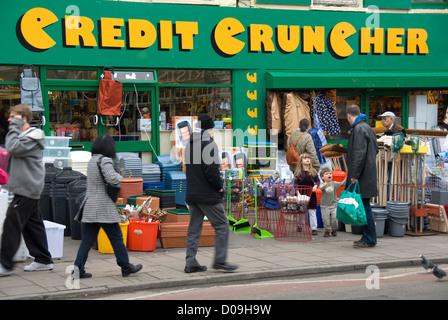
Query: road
<point>374,284</point>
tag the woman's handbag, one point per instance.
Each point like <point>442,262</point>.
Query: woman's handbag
<point>350,209</point>
<point>112,190</point>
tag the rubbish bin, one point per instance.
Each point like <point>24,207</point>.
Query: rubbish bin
<point>59,196</point>
<point>45,200</point>
<point>74,189</point>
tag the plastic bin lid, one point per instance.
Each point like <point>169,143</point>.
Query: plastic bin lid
<point>178,211</point>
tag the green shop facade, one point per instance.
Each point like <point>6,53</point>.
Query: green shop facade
<point>182,60</point>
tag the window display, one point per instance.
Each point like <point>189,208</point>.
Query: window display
<point>71,114</point>
<point>191,101</point>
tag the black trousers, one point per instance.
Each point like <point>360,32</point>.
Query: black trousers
<point>22,217</point>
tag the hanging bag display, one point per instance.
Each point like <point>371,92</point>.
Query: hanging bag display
<point>109,95</point>
<point>30,89</point>
<point>112,190</point>
<point>350,209</point>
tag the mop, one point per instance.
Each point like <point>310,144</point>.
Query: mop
<point>243,225</point>
<point>229,204</point>
<point>258,233</point>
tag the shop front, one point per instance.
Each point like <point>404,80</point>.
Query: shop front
<point>179,61</point>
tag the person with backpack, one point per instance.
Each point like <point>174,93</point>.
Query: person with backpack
<point>302,141</point>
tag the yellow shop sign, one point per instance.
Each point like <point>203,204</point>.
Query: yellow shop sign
<point>228,37</point>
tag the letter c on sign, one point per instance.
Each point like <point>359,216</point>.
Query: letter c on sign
<point>30,29</point>
<point>223,37</point>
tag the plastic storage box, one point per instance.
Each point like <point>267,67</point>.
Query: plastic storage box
<point>104,245</point>
<point>59,152</point>
<point>55,238</point>
<point>57,162</point>
<point>60,142</point>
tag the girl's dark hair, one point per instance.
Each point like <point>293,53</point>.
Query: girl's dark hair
<point>104,145</point>
<point>304,124</point>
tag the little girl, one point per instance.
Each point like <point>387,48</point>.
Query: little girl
<point>306,175</point>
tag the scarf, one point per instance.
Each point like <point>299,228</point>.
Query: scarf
<point>358,118</point>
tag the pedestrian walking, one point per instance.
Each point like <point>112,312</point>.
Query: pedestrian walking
<point>26,181</point>
<point>329,201</point>
<point>204,196</point>
<point>99,211</point>
<point>362,148</point>
<point>306,175</point>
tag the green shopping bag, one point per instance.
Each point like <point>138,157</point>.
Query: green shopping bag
<point>350,209</point>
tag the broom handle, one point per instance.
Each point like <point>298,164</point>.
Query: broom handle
<point>256,203</point>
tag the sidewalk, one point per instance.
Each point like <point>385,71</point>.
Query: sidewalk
<point>257,259</point>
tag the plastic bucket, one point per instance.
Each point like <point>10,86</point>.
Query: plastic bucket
<point>398,215</point>
<point>104,245</point>
<point>397,227</point>
<point>380,217</point>
<point>142,236</point>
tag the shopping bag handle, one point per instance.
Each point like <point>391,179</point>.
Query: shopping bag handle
<point>355,187</point>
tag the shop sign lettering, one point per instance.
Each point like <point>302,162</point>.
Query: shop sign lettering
<point>229,36</point>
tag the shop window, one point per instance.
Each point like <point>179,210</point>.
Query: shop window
<point>379,104</point>
<point>12,73</point>
<point>135,117</point>
<point>336,2</point>
<point>71,74</point>
<point>191,101</point>
<point>179,76</point>
<point>9,96</point>
<point>342,102</point>
<point>72,114</point>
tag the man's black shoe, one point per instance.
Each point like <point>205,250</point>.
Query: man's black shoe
<point>225,267</point>
<point>195,269</point>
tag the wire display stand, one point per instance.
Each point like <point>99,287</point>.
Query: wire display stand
<point>293,225</point>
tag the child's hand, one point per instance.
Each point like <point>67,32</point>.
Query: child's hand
<point>314,188</point>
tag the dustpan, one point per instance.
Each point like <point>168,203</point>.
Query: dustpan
<point>243,225</point>
<point>232,220</point>
<point>257,232</point>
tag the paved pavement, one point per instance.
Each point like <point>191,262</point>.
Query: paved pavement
<point>257,258</point>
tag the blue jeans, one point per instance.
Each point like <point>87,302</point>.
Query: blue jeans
<point>369,230</point>
<point>90,234</point>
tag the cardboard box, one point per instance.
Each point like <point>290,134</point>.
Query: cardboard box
<point>174,235</point>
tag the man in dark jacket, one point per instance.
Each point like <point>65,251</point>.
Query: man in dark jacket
<point>361,162</point>
<point>204,196</point>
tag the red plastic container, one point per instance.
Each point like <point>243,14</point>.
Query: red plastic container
<point>142,236</point>
<point>339,176</point>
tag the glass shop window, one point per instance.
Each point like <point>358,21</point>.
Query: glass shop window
<point>191,101</point>
<point>72,74</point>
<point>72,114</point>
<point>179,76</point>
<point>135,117</point>
<point>342,102</point>
<point>379,104</point>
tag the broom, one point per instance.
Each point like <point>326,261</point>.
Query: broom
<point>243,225</point>
<point>258,233</point>
<point>229,204</point>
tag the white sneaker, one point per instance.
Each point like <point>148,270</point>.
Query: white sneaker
<point>36,266</point>
<point>4,272</point>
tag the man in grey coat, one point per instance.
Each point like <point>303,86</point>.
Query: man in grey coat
<point>362,148</point>
<point>26,180</point>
